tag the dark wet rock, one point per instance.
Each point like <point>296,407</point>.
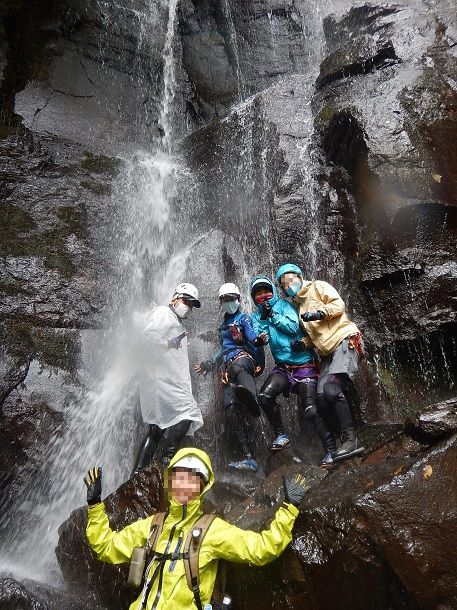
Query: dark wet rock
<point>232,49</point>
<point>30,595</point>
<point>436,421</point>
<point>15,596</point>
<point>135,499</point>
<point>371,536</point>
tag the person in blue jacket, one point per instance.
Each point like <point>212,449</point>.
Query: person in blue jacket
<point>242,358</point>
<point>297,364</point>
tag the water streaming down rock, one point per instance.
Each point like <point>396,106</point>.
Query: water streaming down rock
<point>101,423</point>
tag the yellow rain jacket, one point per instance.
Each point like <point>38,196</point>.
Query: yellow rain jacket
<point>222,541</point>
<point>325,334</point>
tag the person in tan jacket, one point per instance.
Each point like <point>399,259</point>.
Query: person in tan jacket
<point>339,343</point>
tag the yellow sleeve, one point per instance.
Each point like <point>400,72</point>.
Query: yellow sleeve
<point>244,546</point>
<point>114,547</point>
<point>332,304</point>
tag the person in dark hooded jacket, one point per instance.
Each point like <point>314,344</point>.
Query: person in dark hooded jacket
<point>241,358</point>
<point>297,364</point>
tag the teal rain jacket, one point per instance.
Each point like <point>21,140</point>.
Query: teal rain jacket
<point>282,328</point>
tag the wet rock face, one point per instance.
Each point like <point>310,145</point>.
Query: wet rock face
<point>384,181</point>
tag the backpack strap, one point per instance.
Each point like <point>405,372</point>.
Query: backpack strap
<point>192,547</point>
<point>154,532</point>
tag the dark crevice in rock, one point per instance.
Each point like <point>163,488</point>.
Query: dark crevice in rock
<point>384,57</point>
<point>21,379</point>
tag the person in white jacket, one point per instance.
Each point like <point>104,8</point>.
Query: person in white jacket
<point>167,403</point>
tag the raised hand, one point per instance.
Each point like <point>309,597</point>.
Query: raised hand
<point>93,481</point>
<point>295,489</point>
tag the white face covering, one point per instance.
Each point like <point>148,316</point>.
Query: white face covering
<point>230,307</point>
<point>181,310</point>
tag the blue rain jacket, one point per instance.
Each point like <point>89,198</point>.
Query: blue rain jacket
<point>231,348</point>
<point>282,328</point>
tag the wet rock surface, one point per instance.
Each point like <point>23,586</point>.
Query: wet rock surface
<point>383,526</point>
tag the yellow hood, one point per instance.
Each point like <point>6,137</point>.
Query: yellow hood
<point>204,457</point>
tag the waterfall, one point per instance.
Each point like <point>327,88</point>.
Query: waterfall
<point>102,425</point>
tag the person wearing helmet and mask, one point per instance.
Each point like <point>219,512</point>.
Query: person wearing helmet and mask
<point>339,343</point>
<point>167,403</point>
<point>297,365</point>
<point>188,477</point>
<point>242,358</point>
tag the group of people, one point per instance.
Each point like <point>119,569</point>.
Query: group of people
<point>315,347</point>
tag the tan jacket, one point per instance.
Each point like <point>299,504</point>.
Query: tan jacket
<point>328,333</point>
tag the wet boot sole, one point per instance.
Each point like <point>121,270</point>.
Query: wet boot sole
<point>346,456</point>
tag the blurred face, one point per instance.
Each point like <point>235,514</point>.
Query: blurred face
<point>184,485</point>
<point>262,294</point>
<point>290,279</point>
<point>227,298</point>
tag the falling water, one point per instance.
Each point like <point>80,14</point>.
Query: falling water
<point>235,49</point>
<point>100,426</point>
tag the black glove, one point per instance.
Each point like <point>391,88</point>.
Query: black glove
<point>267,311</point>
<point>94,485</point>
<point>312,316</point>
<point>262,339</point>
<point>206,366</point>
<point>175,342</point>
<point>298,346</point>
<point>295,489</point>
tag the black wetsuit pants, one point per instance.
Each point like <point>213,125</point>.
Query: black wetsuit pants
<point>240,373</point>
<point>173,439</point>
<point>277,384</point>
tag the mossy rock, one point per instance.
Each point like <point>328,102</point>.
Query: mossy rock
<point>100,164</point>
<point>56,348</point>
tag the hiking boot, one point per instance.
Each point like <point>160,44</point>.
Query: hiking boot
<point>349,446</point>
<point>281,442</point>
<point>327,460</point>
<point>248,465</point>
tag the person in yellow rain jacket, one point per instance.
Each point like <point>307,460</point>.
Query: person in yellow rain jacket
<point>188,477</point>
<point>337,340</point>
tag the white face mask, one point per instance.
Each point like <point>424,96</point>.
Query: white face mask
<point>230,307</point>
<point>181,310</point>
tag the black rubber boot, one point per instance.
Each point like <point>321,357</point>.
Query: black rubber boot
<point>147,449</point>
<point>349,446</point>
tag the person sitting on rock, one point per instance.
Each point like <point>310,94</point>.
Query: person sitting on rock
<point>337,340</point>
<point>167,403</point>
<point>164,586</point>
<point>242,358</point>
<point>297,364</point>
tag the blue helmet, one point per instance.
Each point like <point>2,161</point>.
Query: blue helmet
<point>288,268</point>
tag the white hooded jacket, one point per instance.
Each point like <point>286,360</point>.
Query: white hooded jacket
<point>165,385</point>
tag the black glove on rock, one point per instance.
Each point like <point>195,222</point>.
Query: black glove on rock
<point>267,311</point>
<point>94,485</point>
<point>312,316</point>
<point>298,346</point>
<point>295,489</point>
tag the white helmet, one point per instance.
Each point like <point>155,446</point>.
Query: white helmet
<point>192,462</point>
<point>229,289</point>
<point>187,291</point>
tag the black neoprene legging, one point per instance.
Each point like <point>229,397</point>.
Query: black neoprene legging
<point>173,439</point>
<point>333,397</point>
<point>240,372</point>
<point>277,384</point>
